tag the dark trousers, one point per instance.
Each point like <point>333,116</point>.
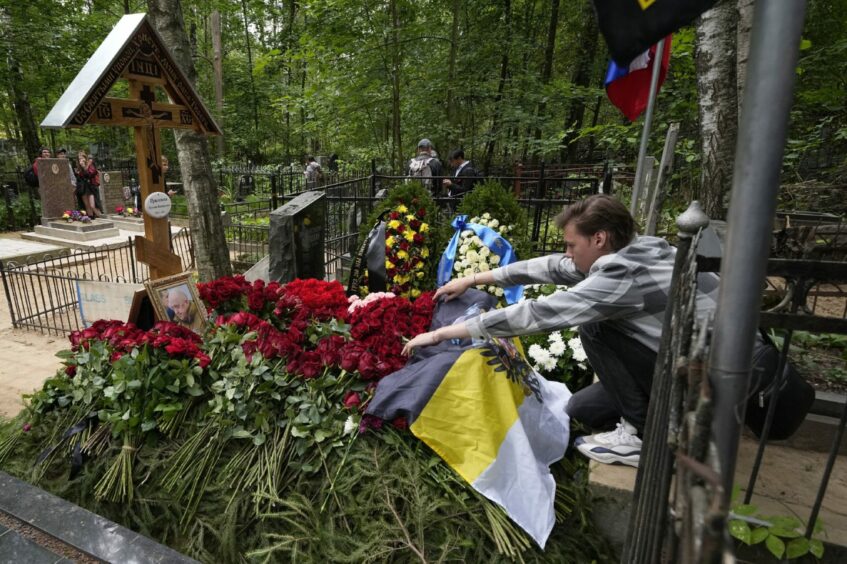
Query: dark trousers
<point>625,369</point>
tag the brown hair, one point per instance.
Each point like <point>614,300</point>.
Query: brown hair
<point>600,212</point>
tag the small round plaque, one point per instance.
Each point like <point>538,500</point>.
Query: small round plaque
<point>157,205</point>
<point>106,177</point>
<point>55,168</point>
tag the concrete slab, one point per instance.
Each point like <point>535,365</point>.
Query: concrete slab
<point>18,250</point>
<point>787,485</point>
<point>120,239</point>
<point>75,236</point>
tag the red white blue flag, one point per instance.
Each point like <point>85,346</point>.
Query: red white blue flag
<point>628,87</point>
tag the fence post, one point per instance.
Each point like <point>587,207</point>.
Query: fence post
<point>647,529</point>
<point>8,294</point>
<point>33,215</point>
<point>132,260</point>
<point>762,132</point>
<point>11,225</point>
<point>274,200</point>
<point>539,197</point>
<point>373,178</point>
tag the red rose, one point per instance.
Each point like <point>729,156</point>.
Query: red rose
<point>70,370</point>
<point>116,356</point>
<point>352,399</point>
<point>400,423</point>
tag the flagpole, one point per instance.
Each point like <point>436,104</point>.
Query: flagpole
<point>645,132</point>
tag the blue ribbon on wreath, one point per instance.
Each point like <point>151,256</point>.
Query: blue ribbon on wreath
<point>491,239</point>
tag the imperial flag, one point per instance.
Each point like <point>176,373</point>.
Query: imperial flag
<point>632,26</point>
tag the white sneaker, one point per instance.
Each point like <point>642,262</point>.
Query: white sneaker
<point>621,446</point>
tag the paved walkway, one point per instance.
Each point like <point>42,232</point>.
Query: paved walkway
<point>14,249</point>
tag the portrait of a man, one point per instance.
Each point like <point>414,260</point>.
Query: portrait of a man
<point>181,308</point>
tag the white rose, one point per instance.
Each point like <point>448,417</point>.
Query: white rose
<point>494,259</point>
<point>477,241</point>
<point>486,215</point>
<point>493,224</point>
<point>466,233</point>
<point>498,292</point>
<point>468,272</point>
<point>472,256</point>
<point>484,252</point>
<point>483,267</point>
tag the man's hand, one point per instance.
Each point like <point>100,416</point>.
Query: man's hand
<point>422,340</point>
<point>454,288</point>
<point>447,182</point>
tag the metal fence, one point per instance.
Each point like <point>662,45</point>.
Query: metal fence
<point>810,292</point>
<point>42,294</point>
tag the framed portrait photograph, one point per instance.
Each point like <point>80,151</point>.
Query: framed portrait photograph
<point>175,298</point>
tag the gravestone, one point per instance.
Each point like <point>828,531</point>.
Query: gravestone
<point>55,188</point>
<point>297,238</point>
<point>112,190</point>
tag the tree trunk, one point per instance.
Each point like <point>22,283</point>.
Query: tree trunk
<point>23,110</point>
<point>395,85</point>
<point>717,94</point>
<point>745,25</point>
<point>504,74</point>
<point>210,248</point>
<point>217,62</point>
<point>582,80</point>
<point>451,71</point>
<point>547,69</point>
<point>253,149</point>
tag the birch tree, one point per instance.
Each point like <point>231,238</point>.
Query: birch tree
<point>207,232</point>
<point>718,109</point>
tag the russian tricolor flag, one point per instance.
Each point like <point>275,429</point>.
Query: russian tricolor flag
<point>628,87</point>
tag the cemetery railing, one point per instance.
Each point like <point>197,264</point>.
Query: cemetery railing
<point>687,522</point>
<point>42,294</point>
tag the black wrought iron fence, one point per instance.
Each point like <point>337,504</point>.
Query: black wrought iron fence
<point>42,294</point>
<point>810,295</point>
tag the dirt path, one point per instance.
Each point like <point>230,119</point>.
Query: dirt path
<point>26,359</point>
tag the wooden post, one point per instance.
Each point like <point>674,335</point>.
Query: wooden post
<point>154,247</point>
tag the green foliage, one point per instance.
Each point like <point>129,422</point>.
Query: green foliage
<point>782,536</point>
<point>493,198</point>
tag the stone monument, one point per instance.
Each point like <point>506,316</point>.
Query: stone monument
<point>112,190</point>
<point>55,188</point>
<point>297,238</point>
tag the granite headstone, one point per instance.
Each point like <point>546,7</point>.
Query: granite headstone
<point>112,190</point>
<point>55,188</point>
<point>297,238</point>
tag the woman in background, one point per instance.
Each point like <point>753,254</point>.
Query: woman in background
<point>88,182</point>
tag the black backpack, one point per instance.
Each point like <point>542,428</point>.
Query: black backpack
<point>30,177</point>
<point>794,396</point>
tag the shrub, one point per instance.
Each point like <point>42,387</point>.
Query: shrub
<point>492,198</point>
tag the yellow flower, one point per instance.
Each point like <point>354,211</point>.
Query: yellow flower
<point>415,292</point>
<point>410,217</point>
<point>66,216</point>
<point>402,254</point>
<point>424,227</point>
<point>389,241</point>
<point>419,275</point>
<point>409,235</point>
<point>129,210</point>
<point>402,209</point>
<point>425,253</point>
<point>393,224</point>
<point>419,266</point>
<point>389,264</point>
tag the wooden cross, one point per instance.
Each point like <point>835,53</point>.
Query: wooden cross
<point>134,52</point>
